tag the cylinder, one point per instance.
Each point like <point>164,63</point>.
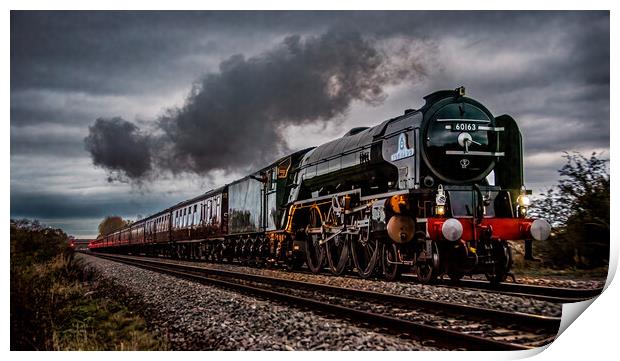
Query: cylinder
<point>401,228</point>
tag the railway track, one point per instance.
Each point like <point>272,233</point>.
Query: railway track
<point>450,325</point>
<point>543,293</point>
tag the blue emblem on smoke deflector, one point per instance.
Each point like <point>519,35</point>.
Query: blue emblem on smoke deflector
<point>403,151</point>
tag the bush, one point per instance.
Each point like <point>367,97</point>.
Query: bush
<point>578,211</point>
<point>52,307</point>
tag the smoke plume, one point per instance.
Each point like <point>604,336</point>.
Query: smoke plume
<point>119,147</point>
<point>233,119</point>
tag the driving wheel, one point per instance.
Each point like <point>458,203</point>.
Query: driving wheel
<point>315,252</point>
<point>365,251</point>
<point>427,265</point>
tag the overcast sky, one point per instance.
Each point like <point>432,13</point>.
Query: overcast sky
<point>134,83</point>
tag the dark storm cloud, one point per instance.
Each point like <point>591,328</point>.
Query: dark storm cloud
<point>36,204</point>
<point>549,70</point>
<point>90,51</point>
<point>29,108</point>
<point>95,51</point>
<point>573,120</point>
<point>45,139</point>
<point>232,119</point>
<point>119,147</point>
<point>122,52</point>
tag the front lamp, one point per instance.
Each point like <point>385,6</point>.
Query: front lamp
<point>440,201</point>
<point>523,200</point>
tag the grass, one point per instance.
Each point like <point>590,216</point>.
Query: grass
<point>570,273</point>
<point>102,324</point>
<point>55,305</point>
<point>540,268</point>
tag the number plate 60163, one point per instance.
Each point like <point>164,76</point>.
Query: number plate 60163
<point>465,127</point>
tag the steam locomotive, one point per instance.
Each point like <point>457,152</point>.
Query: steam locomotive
<point>438,190</point>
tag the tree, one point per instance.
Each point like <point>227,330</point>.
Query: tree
<point>578,211</point>
<point>110,224</point>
